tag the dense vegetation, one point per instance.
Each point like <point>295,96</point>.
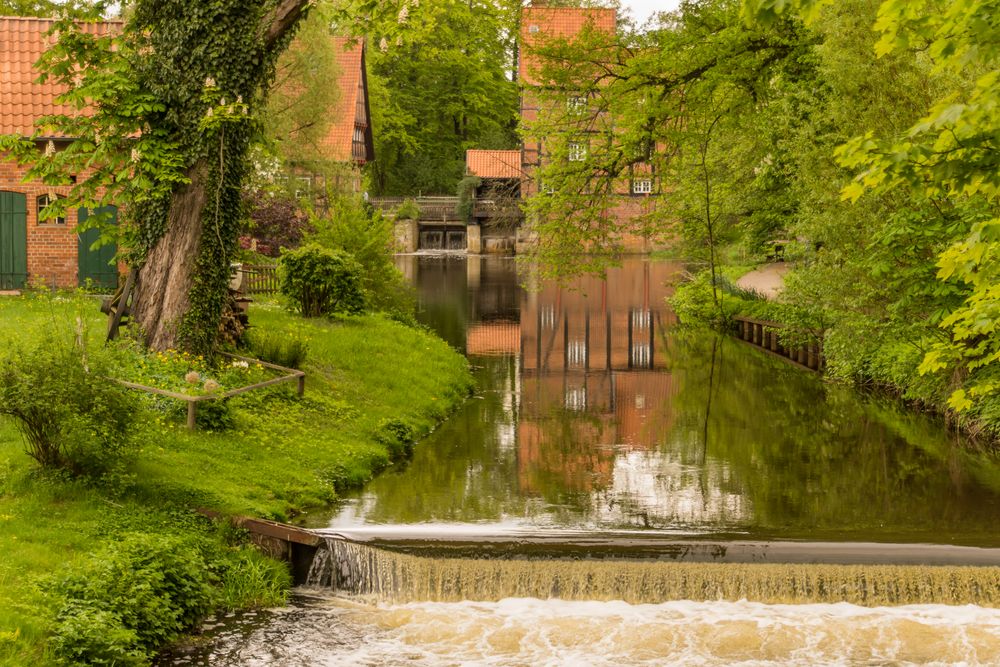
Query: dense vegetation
<point>108,562</point>
<point>873,152</point>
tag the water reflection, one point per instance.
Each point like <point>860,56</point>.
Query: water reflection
<point>595,412</point>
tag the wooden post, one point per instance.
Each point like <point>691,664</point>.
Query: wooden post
<point>192,413</point>
<point>302,385</point>
<point>811,361</point>
<point>757,334</point>
<point>774,340</point>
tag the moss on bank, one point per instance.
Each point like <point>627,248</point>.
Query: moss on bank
<point>366,375</point>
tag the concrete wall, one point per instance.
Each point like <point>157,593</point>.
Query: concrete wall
<point>407,235</point>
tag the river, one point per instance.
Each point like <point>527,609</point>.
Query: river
<point>599,425</point>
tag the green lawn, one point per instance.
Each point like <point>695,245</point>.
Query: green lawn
<point>283,456</point>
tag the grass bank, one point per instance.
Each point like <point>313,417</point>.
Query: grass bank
<point>860,350</point>
<point>366,376</point>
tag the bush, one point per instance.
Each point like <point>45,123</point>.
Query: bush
<point>72,416</point>
<point>368,237</point>
<point>138,595</point>
<point>320,281</point>
<point>275,222</point>
<point>398,437</point>
<point>280,349</point>
<point>408,210</point>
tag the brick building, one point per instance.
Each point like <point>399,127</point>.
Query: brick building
<point>33,248</point>
<point>348,144</point>
<point>541,24</point>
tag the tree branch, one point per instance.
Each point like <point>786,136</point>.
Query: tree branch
<point>283,18</point>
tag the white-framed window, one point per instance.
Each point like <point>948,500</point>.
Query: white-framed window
<point>532,29</point>
<point>577,151</point>
<point>642,186</point>
<point>303,186</point>
<point>577,353</point>
<point>42,202</point>
<point>576,103</point>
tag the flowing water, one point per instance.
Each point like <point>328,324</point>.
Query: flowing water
<point>624,491</point>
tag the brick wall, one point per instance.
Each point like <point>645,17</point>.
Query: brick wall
<point>52,248</point>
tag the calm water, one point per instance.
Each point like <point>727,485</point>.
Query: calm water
<point>595,413</point>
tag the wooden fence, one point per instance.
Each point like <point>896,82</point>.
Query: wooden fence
<point>259,279</point>
<point>767,336</point>
<point>287,375</point>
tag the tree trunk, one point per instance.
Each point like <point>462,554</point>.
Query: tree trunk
<point>161,297</point>
<point>165,280</point>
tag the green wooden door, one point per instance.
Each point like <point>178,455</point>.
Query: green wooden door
<point>13,240</point>
<point>98,265</point>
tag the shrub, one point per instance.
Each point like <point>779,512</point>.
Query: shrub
<point>280,349</point>
<point>320,281</point>
<point>408,210</point>
<point>138,595</point>
<point>368,237</point>
<point>275,222</point>
<point>398,437</point>
<point>70,414</point>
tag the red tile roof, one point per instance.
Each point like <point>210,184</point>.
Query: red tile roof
<point>493,164</point>
<point>344,116</point>
<point>22,99</point>
<point>539,24</point>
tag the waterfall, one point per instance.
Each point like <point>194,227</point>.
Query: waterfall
<point>383,574</point>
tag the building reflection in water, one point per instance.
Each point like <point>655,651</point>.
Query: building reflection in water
<point>586,394</point>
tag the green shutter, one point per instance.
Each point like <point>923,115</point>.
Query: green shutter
<point>13,240</point>
<point>98,265</point>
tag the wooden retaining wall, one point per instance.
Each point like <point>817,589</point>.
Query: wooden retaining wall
<point>766,335</point>
<point>296,546</point>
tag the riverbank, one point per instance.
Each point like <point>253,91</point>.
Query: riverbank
<point>366,375</point>
<point>859,350</point>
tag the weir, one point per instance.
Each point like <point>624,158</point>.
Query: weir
<point>641,571</point>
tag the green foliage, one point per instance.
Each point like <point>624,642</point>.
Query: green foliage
<point>140,594</point>
<point>439,74</point>
<point>408,210</point>
<point>467,196</point>
<point>277,348</point>
<point>70,413</point>
<point>368,237</point>
<point>251,579</point>
<point>319,281</point>
<point>172,101</point>
<point>398,437</point>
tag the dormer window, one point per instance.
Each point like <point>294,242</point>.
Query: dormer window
<point>577,151</point>
<point>43,202</point>
<point>532,29</point>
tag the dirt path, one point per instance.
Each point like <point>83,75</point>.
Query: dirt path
<point>767,280</point>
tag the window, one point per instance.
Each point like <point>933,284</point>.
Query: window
<point>43,201</point>
<point>576,354</point>
<point>576,104</point>
<point>303,186</point>
<point>532,29</point>
<point>577,152</point>
<point>642,186</point>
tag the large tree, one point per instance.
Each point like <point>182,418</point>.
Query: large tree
<point>167,113</point>
<point>443,86</point>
